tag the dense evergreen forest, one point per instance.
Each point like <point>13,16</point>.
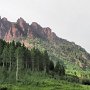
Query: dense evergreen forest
<point>16,59</point>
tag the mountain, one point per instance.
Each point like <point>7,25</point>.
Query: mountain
<point>12,30</point>
<point>73,56</point>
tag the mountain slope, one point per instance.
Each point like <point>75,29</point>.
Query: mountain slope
<point>43,38</point>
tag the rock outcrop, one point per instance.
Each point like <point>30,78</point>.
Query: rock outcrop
<point>12,30</point>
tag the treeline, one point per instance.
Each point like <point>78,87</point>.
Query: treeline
<point>15,57</point>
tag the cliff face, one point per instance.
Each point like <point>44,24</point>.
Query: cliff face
<point>12,30</point>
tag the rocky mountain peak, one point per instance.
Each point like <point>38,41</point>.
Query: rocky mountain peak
<point>21,22</point>
<point>4,19</point>
<point>47,30</point>
<point>36,26</point>
<point>11,30</point>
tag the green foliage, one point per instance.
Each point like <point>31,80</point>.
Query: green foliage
<point>46,61</point>
<point>72,78</point>
<point>40,81</point>
<point>86,81</point>
<point>51,65</point>
<point>16,58</point>
<point>75,58</point>
<point>59,69</point>
<point>38,68</point>
<point>5,57</point>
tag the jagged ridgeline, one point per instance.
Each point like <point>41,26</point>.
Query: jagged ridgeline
<point>16,60</point>
<point>75,57</point>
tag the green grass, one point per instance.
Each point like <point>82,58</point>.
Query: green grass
<point>40,81</point>
<point>61,85</point>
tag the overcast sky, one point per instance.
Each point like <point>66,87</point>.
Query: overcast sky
<point>69,19</point>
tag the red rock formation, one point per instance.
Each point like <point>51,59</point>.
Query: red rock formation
<point>21,23</point>
<point>13,30</point>
<point>8,36</point>
<point>30,33</point>
<point>10,30</point>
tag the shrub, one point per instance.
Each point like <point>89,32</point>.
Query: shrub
<point>86,81</point>
<point>3,88</point>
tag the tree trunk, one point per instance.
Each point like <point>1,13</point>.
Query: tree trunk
<point>26,65</point>
<point>10,66</point>
<point>17,69</point>
<point>3,65</point>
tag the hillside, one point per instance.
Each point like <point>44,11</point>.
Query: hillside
<point>75,58</point>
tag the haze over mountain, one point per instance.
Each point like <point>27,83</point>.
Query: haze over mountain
<point>68,19</point>
<point>43,38</point>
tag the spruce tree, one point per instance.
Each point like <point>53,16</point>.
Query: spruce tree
<point>59,69</point>
<point>46,61</point>
<point>19,54</point>
<point>37,59</point>
<point>33,58</point>
<point>51,65</point>
<point>5,57</point>
<point>41,62</point>
<point>11,55</point>
<point>2,45</point>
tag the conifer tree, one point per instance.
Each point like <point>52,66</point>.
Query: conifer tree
<point>2,45</point>
<point>11,55</point>
<point>51,65</point>
<point>33,58</point>
<point>41,62</point>
<point>37,59</point>
<point>59,69</point>
<point>5,57</point>
<point>46,61</point>
<point>19,61</point>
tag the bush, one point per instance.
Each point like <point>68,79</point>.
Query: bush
<point>71,78</point>
<point>3,88</point>
<point>86,81</point>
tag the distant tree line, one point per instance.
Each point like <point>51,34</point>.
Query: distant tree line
<point>16,57</point>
